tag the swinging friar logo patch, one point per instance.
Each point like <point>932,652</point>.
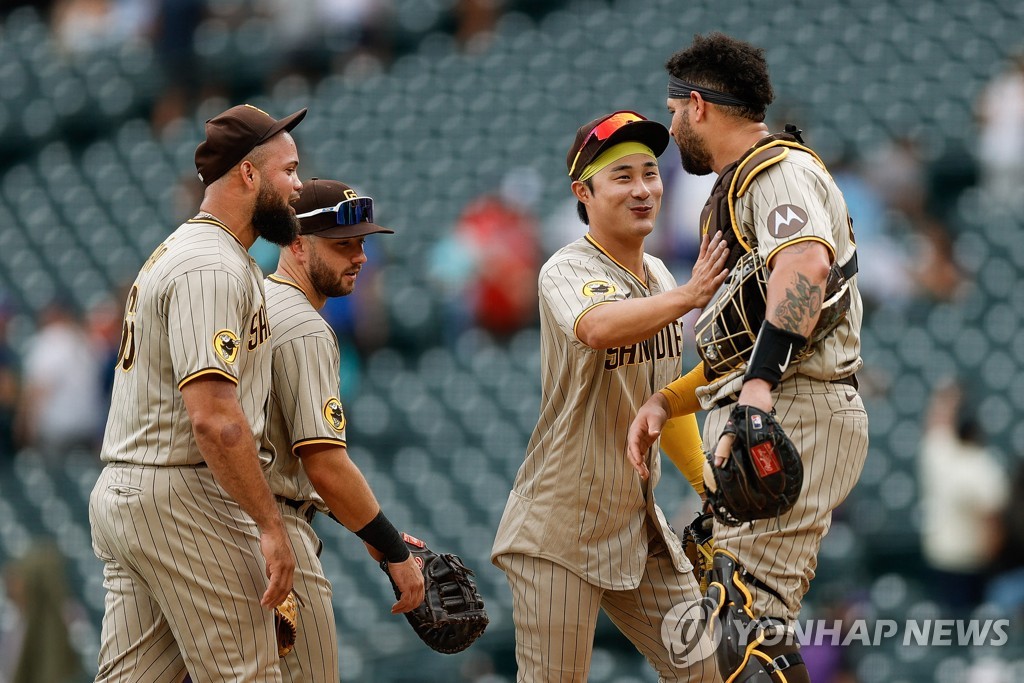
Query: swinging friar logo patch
<point>226,344</point>
<point>334,415</point>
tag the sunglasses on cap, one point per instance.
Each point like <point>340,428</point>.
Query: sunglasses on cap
<point>604,130</point>
<point>350,211</point>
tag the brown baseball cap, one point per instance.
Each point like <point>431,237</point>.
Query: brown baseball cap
<point>332,209</point>
<point>235,133</point>
<point>601,133</point>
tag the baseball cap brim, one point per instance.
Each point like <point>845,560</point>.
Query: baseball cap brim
<point>285,124</point>
<point>317,196</point>
<point>650,133</point>
<point>341,232</point>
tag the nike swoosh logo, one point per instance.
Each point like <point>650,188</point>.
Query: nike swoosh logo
<point>850,397</point>
<point>785,364</point>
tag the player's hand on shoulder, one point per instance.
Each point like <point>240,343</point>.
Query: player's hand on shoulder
<point>709,272</point>
<point>280,561</point>
<point>408,577</point>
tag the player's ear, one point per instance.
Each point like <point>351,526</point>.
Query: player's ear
<point>581,191</point>
<point>248,172</point>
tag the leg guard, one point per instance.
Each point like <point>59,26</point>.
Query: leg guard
<point>738,635</point>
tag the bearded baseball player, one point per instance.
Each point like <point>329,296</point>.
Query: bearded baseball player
<point>780,342</point>
<point>195,552</point>
<point>306,424</point>
<point>581,531</point>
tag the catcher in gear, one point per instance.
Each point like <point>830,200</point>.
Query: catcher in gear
<point>452,613</point>
<point>773,197</point>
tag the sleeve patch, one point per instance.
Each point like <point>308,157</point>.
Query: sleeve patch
<point>598,288</point>
<point>226,344</point>
<point>334,415</point>
<point>786,220</point>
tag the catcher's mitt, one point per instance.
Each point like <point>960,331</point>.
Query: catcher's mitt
<point>286,621</point>
<point>699,545</point>
<point>762,477</point>
<point>452,614</point>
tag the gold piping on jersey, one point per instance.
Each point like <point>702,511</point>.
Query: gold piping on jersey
<point>207,371</point>
<point>642,282</point>
<point>746,183</point>
<point>733,194</point>
<point>210,221</point>
<point>583,313</point>
<point>319,440</point>
<point>281,280</point>
<point>226,345</point>
<point>808,238</point>
<point>334,415</point>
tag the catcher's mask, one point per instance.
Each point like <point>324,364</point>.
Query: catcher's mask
<point>727,328</point>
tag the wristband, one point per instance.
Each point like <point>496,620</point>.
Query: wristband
<point>773,351</point>
<point>382,535</point>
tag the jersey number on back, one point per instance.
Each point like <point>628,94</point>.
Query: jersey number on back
<point>126,351</point>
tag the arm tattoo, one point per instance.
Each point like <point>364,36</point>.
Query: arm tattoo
<point>801,305</point>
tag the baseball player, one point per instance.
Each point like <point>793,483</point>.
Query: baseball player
<point>581,531</point>
<point>306,422</point>
<point>195,551</point>
<point>780,210</point>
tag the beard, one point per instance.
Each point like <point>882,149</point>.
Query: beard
<point>273,218</point>
<point>692,150</point>
<point>328,282</point>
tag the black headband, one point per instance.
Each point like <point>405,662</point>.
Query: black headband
<point>678,90</point>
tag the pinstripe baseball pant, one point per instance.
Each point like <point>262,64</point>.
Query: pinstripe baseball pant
<point>555,613</point>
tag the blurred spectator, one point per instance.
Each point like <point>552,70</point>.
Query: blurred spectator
<point>10,386</point>
<point>488,265</point>
<point>322,36</point>
<point>886,269</point>
<point>1000,113</point>
<point>61,405</point>
<point>476,22</point>
<point>103,323</point>
<point>677,239</point>
<point>1007,586</point>
<point>897,173</point>
<point>35,646</point>
<point>85,26</point>
<point>172,31</point>
<point>963,489</point>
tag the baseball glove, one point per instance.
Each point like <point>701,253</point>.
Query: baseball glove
<point>286,621</point>
<point>699,545</point>
<point>452,614</point>
<point>762,477</point>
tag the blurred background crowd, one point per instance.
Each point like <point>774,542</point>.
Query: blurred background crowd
<point>455,116</point>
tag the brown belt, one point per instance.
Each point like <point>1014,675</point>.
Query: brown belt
<point>309,513</point>
<point>849,380</point>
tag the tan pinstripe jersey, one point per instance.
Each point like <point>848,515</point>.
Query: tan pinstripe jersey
<point>305,405</point>
<point>793,201</point>
<point>196,308</point>
<point>576,500</point>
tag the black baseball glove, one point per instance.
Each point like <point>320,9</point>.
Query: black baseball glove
<point>452,614</point>
<point>762,477</point>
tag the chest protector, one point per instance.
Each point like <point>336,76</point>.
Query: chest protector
<point>728,326</point>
